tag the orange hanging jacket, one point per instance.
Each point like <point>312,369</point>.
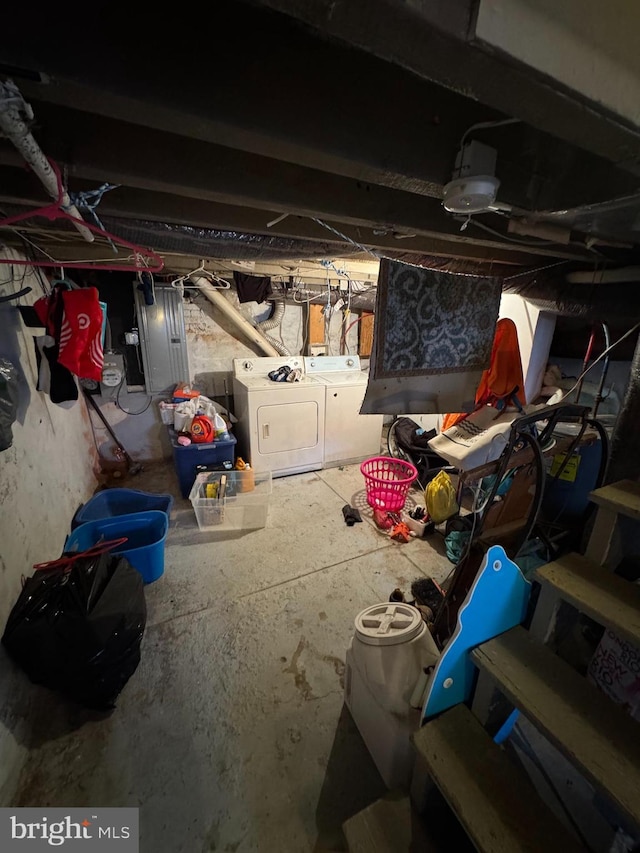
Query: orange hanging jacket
<point>502,380</point>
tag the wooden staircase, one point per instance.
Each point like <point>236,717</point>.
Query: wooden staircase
<point>491,796</point>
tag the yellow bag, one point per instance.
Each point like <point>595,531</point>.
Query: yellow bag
<point>440,498</point>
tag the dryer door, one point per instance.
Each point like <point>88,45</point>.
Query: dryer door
<point>288,427</point>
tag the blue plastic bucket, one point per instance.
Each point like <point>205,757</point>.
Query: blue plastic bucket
<point>114,502</point>
<point>145,531</point>
<point>568,499</point>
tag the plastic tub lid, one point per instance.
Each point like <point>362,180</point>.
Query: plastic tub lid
<point>388,624</point>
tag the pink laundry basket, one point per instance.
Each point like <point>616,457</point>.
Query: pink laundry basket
<point>387,482</point>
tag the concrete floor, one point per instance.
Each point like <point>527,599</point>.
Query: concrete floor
<point>232,735</point>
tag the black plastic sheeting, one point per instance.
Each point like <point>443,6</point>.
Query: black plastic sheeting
<point>545,287</point>
<point>592,302</point>
<point>212,242</point>
<point>548,290</point>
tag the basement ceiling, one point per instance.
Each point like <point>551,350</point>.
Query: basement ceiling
<point>214,124</point>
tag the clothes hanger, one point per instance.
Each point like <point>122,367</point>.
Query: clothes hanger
<point>223,283</point>
<point>145,260</point>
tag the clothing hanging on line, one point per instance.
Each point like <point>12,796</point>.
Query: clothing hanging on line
<point>252,288</point>
<point>72,343</point>
<point>73,317</point>
<point>53,378</point>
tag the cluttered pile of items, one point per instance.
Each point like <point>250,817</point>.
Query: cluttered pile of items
<point>80,618</point>
<point>194,417</point>
<point>200,436</point>
<point>225,492</point>
<point>491,484</point>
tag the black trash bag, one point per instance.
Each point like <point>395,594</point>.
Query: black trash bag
<point>77,627</point>
<point>8,402</point>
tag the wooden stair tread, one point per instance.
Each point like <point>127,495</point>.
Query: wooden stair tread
<point>605,597</point>
<point>387,826</point>
<point>595,734</point>
<point>622,497</point>
<point>493,798</point>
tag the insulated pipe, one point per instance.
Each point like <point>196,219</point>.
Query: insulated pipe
<point>15,129</point>
<point>216,298</point>
<point>615,302</point>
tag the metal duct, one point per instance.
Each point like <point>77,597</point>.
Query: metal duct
<point>272,323</point>
<point>217,243</point>
<point>365,301</point>
<point>595,302</point>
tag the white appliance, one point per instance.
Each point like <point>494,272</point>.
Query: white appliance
<point>280,424</point>
<point>385,661</point>
<point>348,435</point>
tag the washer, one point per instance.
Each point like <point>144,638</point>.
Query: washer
<point>280,424</point>
<point>348,435</point>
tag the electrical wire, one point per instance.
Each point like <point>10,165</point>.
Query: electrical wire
<point>346,239</point>
<point>601,356</point>
<point>536,270</point>
<point>351,325</point>
<point>485,125</point>
<point>126,411</point>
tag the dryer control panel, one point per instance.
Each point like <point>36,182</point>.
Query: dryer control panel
<point>262,366</point>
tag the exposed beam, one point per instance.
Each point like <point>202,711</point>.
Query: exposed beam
<point>137,157</point>
<point>273,88</point>
<point>191,170</point>
<point>17,187</point>
<point>429,39</point>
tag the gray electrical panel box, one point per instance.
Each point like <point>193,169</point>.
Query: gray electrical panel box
<point>163,340</point>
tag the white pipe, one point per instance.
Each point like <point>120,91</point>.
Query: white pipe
<point>13,127</point>
<point>216,298</point>
<point>605,276</point>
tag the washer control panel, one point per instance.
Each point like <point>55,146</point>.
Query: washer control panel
<point>332,363</point>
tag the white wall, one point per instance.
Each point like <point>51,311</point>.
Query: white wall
<point>44,476</point>
<point>535,333</point>
<point>213,342</point>
<point>142,435</point>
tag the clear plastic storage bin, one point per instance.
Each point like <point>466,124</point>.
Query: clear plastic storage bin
<point>244,506</point>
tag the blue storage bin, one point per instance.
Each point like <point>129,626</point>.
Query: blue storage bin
<point>566,500</point>
<point>196,458</point>
<point>145,531</point>
<point>113,502</point>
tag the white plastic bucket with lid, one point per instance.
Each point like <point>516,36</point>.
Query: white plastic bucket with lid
<point>391,647</point>
<point>385,660</point>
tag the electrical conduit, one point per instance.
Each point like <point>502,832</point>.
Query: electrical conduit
<point>217,299</point>
<point>15,129</point>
